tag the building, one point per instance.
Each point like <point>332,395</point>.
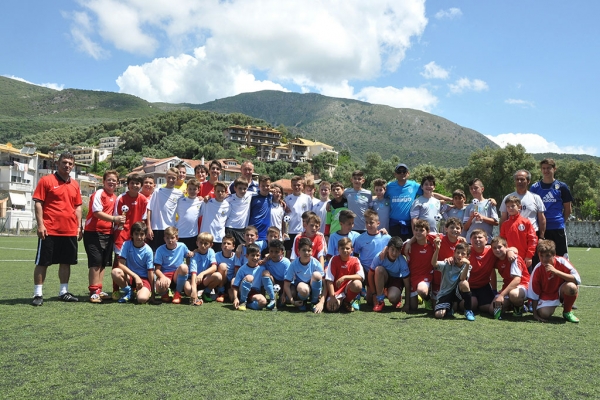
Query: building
<point>263,139</point>
<point>87,155</point>
<point>110,143</point>
<point>314,148</point>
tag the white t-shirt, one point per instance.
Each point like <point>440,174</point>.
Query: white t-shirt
<point>214,216</point>
<point>239,210</point>
<point>163,205</point>
<point>297,205</point>
<point>188,211</point>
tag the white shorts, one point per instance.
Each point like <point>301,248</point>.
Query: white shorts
<point>553,302</point>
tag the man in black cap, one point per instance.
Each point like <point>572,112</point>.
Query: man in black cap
<point>401,192</point>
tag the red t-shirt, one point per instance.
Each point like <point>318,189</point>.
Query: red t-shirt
<point>339,268</point>
<point>518,232</point>
<point>318,245</point>
<point>100,201</point>
<point>419,263</point>
<point>59,200</point>
<point>207,189</point>
<point>545,285</point>
<point>508,271</point>
<point>137,212</point>
<point>482,266</point>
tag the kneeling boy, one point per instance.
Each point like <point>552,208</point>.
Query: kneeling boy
<point>344,278</point>
<point>248,282</point>
<point>306,273</point>
<point>516,280</point>
<point>391,273</point>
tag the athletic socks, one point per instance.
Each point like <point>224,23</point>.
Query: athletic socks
<point>568,302</point>
<point>245,288</point>
<point>180,283</point>
<point>253,305</point>
<point>37,290</point>
<point>467,298</point>
<point>315,291</point>
<point>350,295</point>
<point>268,285</point>
<point>64,288</point>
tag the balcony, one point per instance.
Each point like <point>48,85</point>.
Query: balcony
<point>16,186</point>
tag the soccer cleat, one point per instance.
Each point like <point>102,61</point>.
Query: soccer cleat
<point>176,298</point>
<point>68,298</point>
<point>469,315</point>
<point>518,311</point>
<point>419,299</point>
<point>303,306</point>
<point>37,301</point>
<point>242,307</point>
<point>116,295</point>
<point>271,305</point>
<point>398,304</point>
<point>428,304</point>
<point>126,291</point>
<point>221,298</point>
<point>569,316</point>
<point>104,295</point>
<point>206,297</point>
<point>355,305</point>
<point>348,306</point>
<point>197,302</point>
<point>378,306</point>
<point>95,298</point>
<point>498,313</point>
<point>165,298</point>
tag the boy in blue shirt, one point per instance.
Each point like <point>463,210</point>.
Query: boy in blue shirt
<point>136,266</point>
<point>169,263</point>
<point>260,207</point>
<point>346,225</point>
<point>226,267</point>
<point>359,200</point>
<point>391,273</point>
<point>203,271</point>
<point>276,266</point>
<point>248,282</point>
<point>304,279</point>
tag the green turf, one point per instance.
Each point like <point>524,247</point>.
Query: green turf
<point>83,350</point>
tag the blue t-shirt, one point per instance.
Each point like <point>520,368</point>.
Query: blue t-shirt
<point>202,262</point>
<point>298,272</point>
<point>401,198</point>
<point>239,261</point>
<point>395,269</point>
<point>332,246</point>
<point>383,211</point>
<point>170,260</point>
<point>256,273</point>
<point>553,195</point>
<point>139,259</point>
<point>366,246</point>
<point>277,269</point>
<point>221,259</point>
<point>260,214</point>
<point>358,202</point>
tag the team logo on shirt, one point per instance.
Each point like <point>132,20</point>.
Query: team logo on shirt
<point>223,213</point>
<point>521,227</point>
<point>410,190</point>
<point>556,186</point>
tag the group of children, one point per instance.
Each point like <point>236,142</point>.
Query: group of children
<point>263,250</point>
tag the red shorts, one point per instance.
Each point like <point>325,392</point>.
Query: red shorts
<point>145,282</point>
<point>416,279</point>
<point>169,275</point>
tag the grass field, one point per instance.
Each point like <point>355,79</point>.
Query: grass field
<point>84,350</point>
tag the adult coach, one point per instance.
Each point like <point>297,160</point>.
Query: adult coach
<point>247,171</point>
<point>57,200</point>
<point>557,199</point>
<point>402,193</point>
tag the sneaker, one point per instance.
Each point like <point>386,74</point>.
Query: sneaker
<point>348,306</point>
<point>398,304</point>
<point>104,295</point>
<point>569,316</point>
<point>95,298</point>
<point>518,311</point>
<point>37,301</point>
<point>116,295</point>
<point>355,305</point>
<point>126,291</point>
<point>428,304</point>
<point>68,298</point>
<point>470,316</point>
<point>176,298</point>
<point>271,305</point>
<point>419,299</point>
<point>498,313</point>
<point>242,307</point>
<point>166,298</point>
<point>529,306</point>
<point>197,302</point>
<point>221,298</point>
<point>378,306</point>
<point>207,297</point>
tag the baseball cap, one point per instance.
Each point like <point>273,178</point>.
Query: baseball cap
<point>401,166</point>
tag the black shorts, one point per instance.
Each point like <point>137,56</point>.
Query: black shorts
<point>159,239</point>
<point>445,302</point>
<point>288,244</point>
<point>395,282</point>
<point>56,250</point>
<point>484,295</point>
<point>189,242</point>
<point>99,248</point>
<point>559,237</point>
<point>238,235</point>
<point>402,231</point>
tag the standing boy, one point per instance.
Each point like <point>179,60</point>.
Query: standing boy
<point>518,231</point>
<point>334,208</point>
<point>297,203</point>
<point>426,207</point>
<point>320,206</point>
<point>419,264</point>
<point>260,207</point>
<point>239,210</point>
<point>162,209</point>
<point>381,204</point>
<point>188,212</point>
<point>214,214</point>
<point>359,200</point>
<point>481,213</point>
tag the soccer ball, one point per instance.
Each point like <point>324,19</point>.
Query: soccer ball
<point>287,218</point>
<point>475,201</point>
<point>438,217</point>
<point>124,208</point>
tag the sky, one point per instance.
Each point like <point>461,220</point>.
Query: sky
<point>517,72</point>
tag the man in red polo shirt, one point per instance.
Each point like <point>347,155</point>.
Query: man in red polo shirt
<point>58,215</point>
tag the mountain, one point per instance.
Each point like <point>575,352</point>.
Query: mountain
<point>416,137</point>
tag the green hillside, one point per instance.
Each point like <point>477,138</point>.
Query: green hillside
<point>415,136</point>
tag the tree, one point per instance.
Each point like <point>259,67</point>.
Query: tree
<point>302,169</point>
<point>321,164</point>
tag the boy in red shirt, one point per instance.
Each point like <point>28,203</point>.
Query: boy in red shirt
<point>518,231</point>
<point>311,223</point>
<point>419,264</point>
<point>516,280</point>
<point>344,278</point>
<point>553,280</point>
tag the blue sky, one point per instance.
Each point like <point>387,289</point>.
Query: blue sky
<point>519,72</point>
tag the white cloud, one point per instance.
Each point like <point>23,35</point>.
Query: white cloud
<point>54,86</point>
<point>451,13</point>
<point>462,84</point>
<point>519,102</point>
<point>434,71</point>
<point>81,29</point>
<point>407,97</point>
<point>316,45</point>
<point>535,143</point>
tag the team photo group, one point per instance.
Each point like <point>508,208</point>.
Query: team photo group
<point>321,248</point>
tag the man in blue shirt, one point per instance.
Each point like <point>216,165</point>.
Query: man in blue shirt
<point>401,192</point>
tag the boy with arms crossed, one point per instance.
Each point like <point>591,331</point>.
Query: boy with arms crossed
<point>188,212</point>
<point>390,272</point>
<point>553,280</point>
<point>343,278</point>
<point>304,279</point>
<point>136,267</point>
<point>454,286</point>
<point>515,280</point>
<point>239,210</point>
